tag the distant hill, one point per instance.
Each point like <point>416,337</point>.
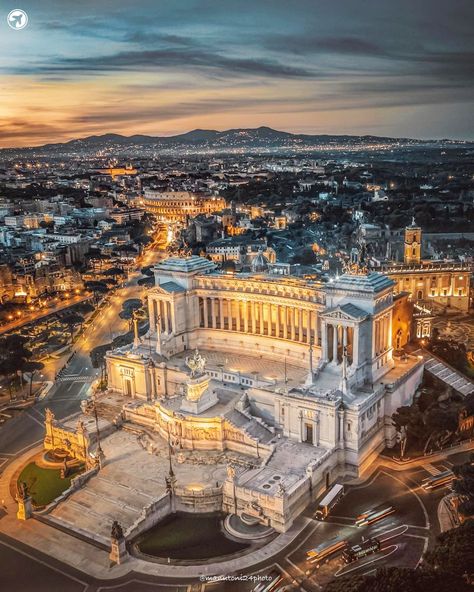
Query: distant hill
<point>261,137</point>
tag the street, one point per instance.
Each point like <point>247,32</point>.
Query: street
<point>27,428</point>
<point>404,535</point>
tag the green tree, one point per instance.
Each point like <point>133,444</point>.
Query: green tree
<point>72,320</point>
<point>464,486</point>
<point>97,288</point>
<point>13,355</point>
<point>31,367</point>
<point>399,579</point>
<point>454,552</point>
<point>411,419</point>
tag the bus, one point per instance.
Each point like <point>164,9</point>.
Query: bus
<point>439,480</point>
<point>373,516</point>
<point>326,549</point>
<point>329,501</point>
<point>361,550</point>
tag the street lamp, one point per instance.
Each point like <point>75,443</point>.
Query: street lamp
<point>92,406</point>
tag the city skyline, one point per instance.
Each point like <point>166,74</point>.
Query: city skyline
<point>374,68</point>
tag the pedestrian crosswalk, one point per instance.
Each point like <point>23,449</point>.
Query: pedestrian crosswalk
<point>432,470</point>
<point>76,378</point>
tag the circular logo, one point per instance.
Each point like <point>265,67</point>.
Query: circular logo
<point>17,19</point>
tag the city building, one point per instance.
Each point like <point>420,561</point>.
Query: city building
<point>445,283</point>
<point>177,206</point>
<point>309,390</point>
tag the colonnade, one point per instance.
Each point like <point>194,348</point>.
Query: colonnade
<point>258,318</point>
<point>162,317</point>
<point>336,336</point>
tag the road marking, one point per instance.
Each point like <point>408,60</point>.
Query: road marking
<point>391,530</point>
<point>432,470</point>
<point>427,520</point>
<point>425,548</point>
<point>13,548</point>
<point>41,423</point>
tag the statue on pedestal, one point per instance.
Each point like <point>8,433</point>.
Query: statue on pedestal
<point>25,507</point>
<point>117,531</point>
<point>118,548</point>
<point>196,364</point>
<point>198,397</point>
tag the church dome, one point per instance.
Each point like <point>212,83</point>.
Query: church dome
<point>260,263</point>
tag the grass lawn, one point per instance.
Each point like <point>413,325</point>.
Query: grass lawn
<point>44,485</point>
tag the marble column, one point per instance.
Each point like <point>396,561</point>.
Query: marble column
<point>285,322</point>
<point>355,346</point>
<point>308,326</point>
<point>341,426</point>
<point>221,314</point>
<point>324,340</point>
<point>262,332</point>
<point>213,313</point>
<point>206,320</point>
<point>245,306</point>
<point>390,329</point>
<point>292,324</point>
<point>167,324</point>
<point>254,318</point>
<point>237,306</point>
<point>153,315</point>
<point>334,343</point>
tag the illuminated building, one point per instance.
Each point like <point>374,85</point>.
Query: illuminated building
<point>176,206</point>
<point>443,283</point>
<point>331,421</point>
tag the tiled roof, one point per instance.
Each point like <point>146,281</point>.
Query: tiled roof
<point>370,282</point>
<point>185,264</point>
<point>171,287</point>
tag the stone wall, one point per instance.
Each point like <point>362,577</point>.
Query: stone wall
<point>150,515</point>
<point>195,433</point>
<point>198,500</point>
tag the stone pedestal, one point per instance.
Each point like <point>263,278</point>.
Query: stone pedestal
<point>198,398</point>
<point>25,508</point>
<point>118,550</point>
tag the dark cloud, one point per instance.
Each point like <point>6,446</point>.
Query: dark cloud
<point>313,44</point>
<point>173,58</point>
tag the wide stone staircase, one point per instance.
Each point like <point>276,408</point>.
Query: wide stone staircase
<point>447,374</point>
<point>95,508</point>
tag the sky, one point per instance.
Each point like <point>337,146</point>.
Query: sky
<point>402,68</point>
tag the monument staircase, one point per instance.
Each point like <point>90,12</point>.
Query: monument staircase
<point>446,373</point>
<point>252,426</point>
<point>102,502</point>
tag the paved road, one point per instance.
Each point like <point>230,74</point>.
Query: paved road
<point>25,319</point>
<point>64,398</point>
<point>406,533</point>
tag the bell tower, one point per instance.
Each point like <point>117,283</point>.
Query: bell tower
<point>412,253</point>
